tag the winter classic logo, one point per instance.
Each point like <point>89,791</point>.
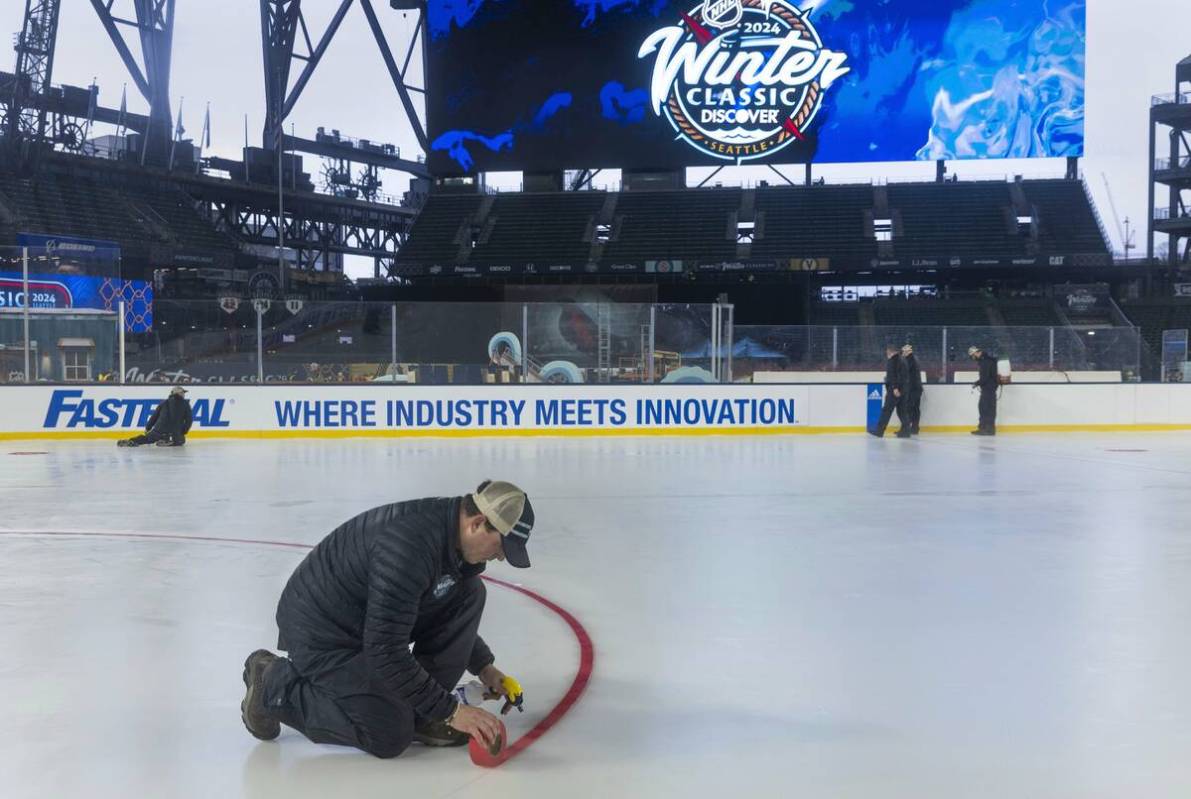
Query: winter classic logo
<point>740,79</point>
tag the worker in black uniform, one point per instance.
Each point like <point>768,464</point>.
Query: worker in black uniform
<point>896,386</point>
<point>913,388</point>
<point>381,619</point>
<point>988,384</point>
<point>169,424</point>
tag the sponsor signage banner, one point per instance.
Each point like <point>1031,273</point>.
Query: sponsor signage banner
<point>1083,299</point>
<point>967,262</point>
<point>301,409</point>
<point>806,264</point>
<point>102,256</point>
<point>874,399</point>
<point>64,292</point>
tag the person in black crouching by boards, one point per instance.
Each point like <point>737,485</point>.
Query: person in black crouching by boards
<point>988,384</point>
<point>896,385</point>
<point>168,425</point>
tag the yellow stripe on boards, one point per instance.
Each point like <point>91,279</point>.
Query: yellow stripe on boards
<point>78,435</point>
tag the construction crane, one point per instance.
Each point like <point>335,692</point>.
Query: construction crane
<point>1124,233</point>
<point>35,63</point>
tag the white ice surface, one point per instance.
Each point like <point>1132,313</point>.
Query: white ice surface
<point>804,616</point>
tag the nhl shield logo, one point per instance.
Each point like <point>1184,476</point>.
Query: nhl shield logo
<point>722,13</point>
<point>229,304</point>
<point>261,306</point>
<point>293,305</point>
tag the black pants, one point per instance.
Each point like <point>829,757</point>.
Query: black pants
<point>988,410</point>
<point>331,696</point>
<point>913,409</point>
<point>153,436</point>
<point>893,403</point>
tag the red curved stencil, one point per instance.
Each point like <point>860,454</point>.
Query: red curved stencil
<point>578,685</point>
<point>586,649</point>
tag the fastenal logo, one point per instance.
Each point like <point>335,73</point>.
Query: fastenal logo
<point>71,409</point>
<point>746,89</point>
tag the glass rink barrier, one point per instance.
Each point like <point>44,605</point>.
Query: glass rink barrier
<point>132,338</point>
<point>1047,354</point>
<point>426,343</point>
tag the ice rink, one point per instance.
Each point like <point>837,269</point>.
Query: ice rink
<point>800,616</point>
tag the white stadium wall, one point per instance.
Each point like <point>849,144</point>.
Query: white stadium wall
<point>301,411</point>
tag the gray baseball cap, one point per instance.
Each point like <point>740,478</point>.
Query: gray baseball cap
<point>507,508</point>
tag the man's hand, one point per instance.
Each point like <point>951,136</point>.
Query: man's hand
<point>499,685</point>
<point>897,392</point>
<point>492,678</point>
<point>478,723</point>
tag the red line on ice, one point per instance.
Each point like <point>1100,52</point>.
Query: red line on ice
<point>586,649</point>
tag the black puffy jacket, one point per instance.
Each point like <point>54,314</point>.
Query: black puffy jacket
<point>171,417</point>
<point>896,374</point>
<point>913,374</point>
<point>361,587</point>
<point>988,372</point>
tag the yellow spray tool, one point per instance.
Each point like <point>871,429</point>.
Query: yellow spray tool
<point>514,696</point>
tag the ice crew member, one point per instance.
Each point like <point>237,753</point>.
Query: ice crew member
<point>398,575</point>
<point>896,384</point>
<point>914,386</point>
<point>988,384</point>
<point>168,425</point>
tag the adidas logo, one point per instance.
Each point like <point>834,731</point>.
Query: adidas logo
<point>875,395</point>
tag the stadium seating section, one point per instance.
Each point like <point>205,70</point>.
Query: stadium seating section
<point>815,222</point>
<point>135,214</point>
<point>976,219</point>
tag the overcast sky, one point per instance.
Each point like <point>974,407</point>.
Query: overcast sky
<point>1131,53</point>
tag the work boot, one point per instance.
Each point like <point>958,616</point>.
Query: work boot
<point>252,709</point>
<point>875,433</point>
<point>438,733</point>
<point>124,442</point>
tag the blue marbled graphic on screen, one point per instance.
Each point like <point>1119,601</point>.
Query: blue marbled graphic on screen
<point>621,105</point>
<point>1012,85</point>
<point>971,79</point>
<point>442,14</point>
<point>593,8</point>
<point>554,103</point>
<point>456,143</point>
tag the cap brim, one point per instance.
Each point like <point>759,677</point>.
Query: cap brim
<point>514,549</point>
